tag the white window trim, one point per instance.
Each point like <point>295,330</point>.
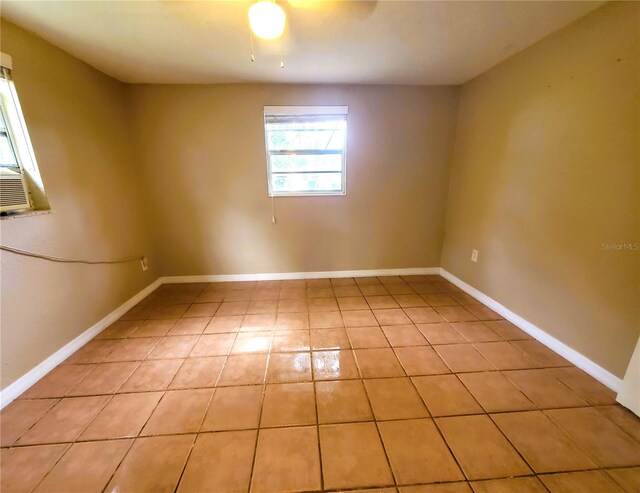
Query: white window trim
<point>306,110</point>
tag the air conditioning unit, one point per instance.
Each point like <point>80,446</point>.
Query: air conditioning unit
<point>14,195</point>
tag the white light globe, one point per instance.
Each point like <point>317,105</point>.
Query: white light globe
<point>267,19</point>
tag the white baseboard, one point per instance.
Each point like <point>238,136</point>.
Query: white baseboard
<point>279,276</point>
<point>596,371</point>
<point>12,391</point>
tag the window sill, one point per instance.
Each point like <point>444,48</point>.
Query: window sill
<point>18,214</point>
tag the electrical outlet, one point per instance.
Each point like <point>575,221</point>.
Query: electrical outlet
<point>144,263</point>
<point>474,255</point>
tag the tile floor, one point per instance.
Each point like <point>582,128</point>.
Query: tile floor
<point>395,384</point>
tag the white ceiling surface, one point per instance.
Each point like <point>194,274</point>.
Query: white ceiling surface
<point>391,42</point>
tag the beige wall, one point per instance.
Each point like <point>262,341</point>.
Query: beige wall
<point>77,120</point>
<point>202,148</point>
<point>545,170</point>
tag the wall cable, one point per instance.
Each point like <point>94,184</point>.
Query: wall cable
<point>51,258</point>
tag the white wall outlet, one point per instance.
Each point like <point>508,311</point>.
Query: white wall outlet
<point>144,263</point>
<point>474,255</point>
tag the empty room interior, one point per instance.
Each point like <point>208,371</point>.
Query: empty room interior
<point>306,246</point>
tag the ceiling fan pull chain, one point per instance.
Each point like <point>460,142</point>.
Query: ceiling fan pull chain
<point>253,58</point>
<point>282,52</point>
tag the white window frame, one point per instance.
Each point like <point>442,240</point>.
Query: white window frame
<point>19,137</point>
<point>299,111</point>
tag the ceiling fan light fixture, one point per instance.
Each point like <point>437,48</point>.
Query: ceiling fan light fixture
<point>267,19</point>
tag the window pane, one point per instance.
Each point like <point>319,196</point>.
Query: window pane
<point>306,182</point>
<point>295,139</point>
<point>7,156</point>
<point>306,162</point>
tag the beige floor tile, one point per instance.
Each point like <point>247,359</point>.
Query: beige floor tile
<point>544,389</point>
<point>94,351</point>
<point>585,386</point>
<point>378,363</point>
<point>512,485</point>
<point>541,354</point>
<point>223,324</point>
<point>410,300</point>
<point>153,465</point>
<point>421,360</point>
<point>394,398</point>
<point>189,326</point>
<point>252,342</point>
<point>233,307</point>
<point>132,349</point>
<point>507,330</point>
<point>19,416</point>
<point>353,457</point>
<point>381,302</point>
<point>179,411</point>
<point>463,358</point>
<point>123,417</point>
<point>173,347</point>
<point>329,339</point>
<point>322,305</point>
<point>456,313</point>
<point>504,356</point>
<point>441,333</point>
<point>424,315</point>
<point>289,404</point>
<point>494,459</point>
<point>477,332</point>
<point>372,289</point>
<point>293,306</point>
<point>439,299</point>
<point>628,478</point>
<point>437,488</point>
<point>624,418</point>
<point>289,367</point>
<point>483,313</point>
<point>119,329</point>
<point>334,365</point>
<point>244,369</point>
<point>286,460</point>
<point>367,337</point>
<point>258,322</point>
<point>583,482</point>
<point>293,321</point>
<point>24,467</point>
<point>85,468</point>
<point>392,316</point>
<point>65,421</point>
<point>342,401</point>
<point>220,462</point>
<point>213,345</point>
<point>151,375</point>
<point>404,335</point>
<point>353,303</point>
<point>417,452</point>
<point>347,291</point>
<point>359,318</point>
<point>105,378</point>
<point>599,437</point>
<point>154,328</point>
<point>285,341</point>
<point>543,445</point>
<point>201,310</point>
<point>234,408</point>
<point>58,381</point>
<point>198,373</point>
<point>320,292</point>
<point>495,392</point>
<point>445,395</point>
<point>325,320</point>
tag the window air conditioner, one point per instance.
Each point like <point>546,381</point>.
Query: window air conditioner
<point>14,195</point>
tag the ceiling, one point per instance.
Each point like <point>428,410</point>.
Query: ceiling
<point>383,42</point>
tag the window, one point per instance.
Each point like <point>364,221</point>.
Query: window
<point>21,187</point>
<point>306,149</point>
